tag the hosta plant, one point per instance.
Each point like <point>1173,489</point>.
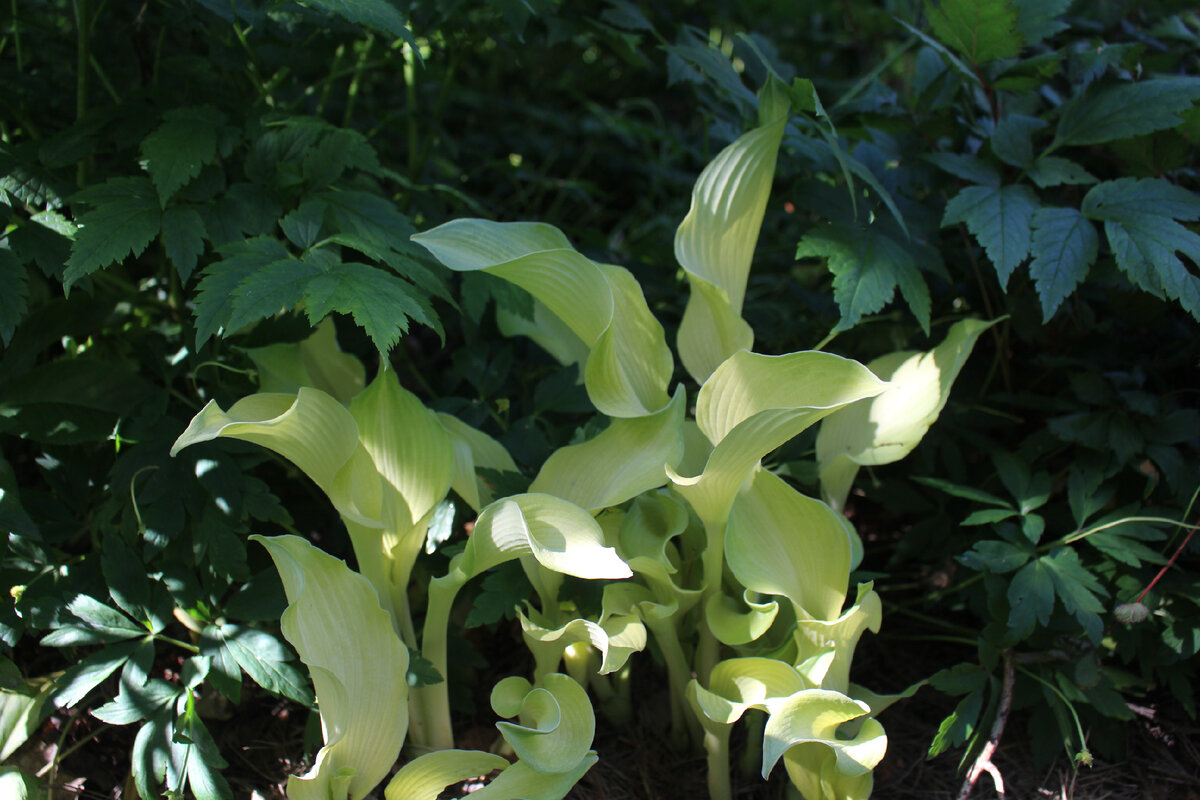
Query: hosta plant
<point>741,581</point>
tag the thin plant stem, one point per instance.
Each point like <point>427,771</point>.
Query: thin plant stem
<point>713,564</point>
<point>983,763</point>
<point>434,700</point>
<point>352,91</point>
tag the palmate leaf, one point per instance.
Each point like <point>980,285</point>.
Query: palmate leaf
<point>1000,219</point>
<point>1033,589</point>
<point>867,265</point>
<point>1139,218</point>
<point>215,293</point>
<point>1064,248</point>
<point>982,30</point>
<point>381,303</point>
<point>179,148</point>
<point>126,217</point>
<point>1105,113</point>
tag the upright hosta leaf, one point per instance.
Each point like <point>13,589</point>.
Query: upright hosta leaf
<point>780,542</point>
<point>124,219</point>
<point>715,243</point>
<point>982,30</point>
<point>753,404</point>
<point>628,364</point>
<point>626,459</point>
<point>474,450</point>
<point>1064,248</point>
<point>1139,218</point>
<point>886,427</point>
<point>358,666</point>
<point>1102,113</point>
<point>318,361</point>
<point>1000,218</point>
<point>179,148</point>
<point>867,266</point>
<point>816,637</point>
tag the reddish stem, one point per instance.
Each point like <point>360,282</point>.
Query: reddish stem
<point>1167,566</point>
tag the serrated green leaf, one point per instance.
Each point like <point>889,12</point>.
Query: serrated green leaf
<point>867,265</point>
<point>987,516</point>
<point>1038,19</point>
<point>183,235</point>
<point>126,217</point>
<point>959,726</point>
<point>1064,247</point>
<point>303,226</point>
<point>1000,218</point>
<point>381,303</point>
<point>136,701</point>
<point>1054,171</point>
<point>78,680</point>
<point>215,292</point>
<point>965,492</point>
<point>97,624</point>
<point>1077,588</point>
<point>982,30</point>
<point>1117,111</point>
<point>1030,598</point>
<point>377,14</point>
<point>503,591</point>
<point>178,149</point>
<point>14,292</point>
<point>277,286</point>
<point>967,167</point>
<point>995,556</point>
<point>1012,140</point>
<point>1139,221</point>
<point>268,662</point>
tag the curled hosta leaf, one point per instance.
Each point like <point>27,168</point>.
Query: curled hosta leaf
<point>753,404</point>
<point>626,459</point>
<point>731,625</point>
<point>782,543</point>
<point>556,723</point>
<point>425,777</point>
<point>888,426</point>
<point>618,634</point>
<point>813,770</point>
<point>813,716</point>
<point>317,361</point>
<point>841,636</point>
<point>523,782</point>
<point>628,364</point>
<point>715,244</point>
<point>560,535</point>
<point>738,684</point>
<point>357,663</point>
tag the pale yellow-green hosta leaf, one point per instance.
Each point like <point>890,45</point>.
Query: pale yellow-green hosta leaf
<point>739,684</point>
<point>560,535</point>
<point>617,635</point>
<point>474,450</point>
<point>752,404</point>
<point>427,776</point>
<point>813,716</point>
<point>555,724</point>
<point>548,331</point>
<point>780,542</point>
<point>317,361</point>
<point>624,460</point>
<point>21,713</point>
<point>652,521</point>
<point>813,770</point>
<point>407,443</point>
<point>840,635</point>
<point>629,364</point>
<point>358,666</point>
<point>733,626</point>
<point>715,244</point>
<point>17,785</point>
<point>523,782</point>
<point>887,427</point>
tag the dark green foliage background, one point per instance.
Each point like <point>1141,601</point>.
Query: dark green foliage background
<point>173,174</point>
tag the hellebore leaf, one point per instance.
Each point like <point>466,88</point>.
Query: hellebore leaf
<point>357,662</point>
<point>625,460</point>
<point>780,542</point>
<point>753,404</point>
<point>556,723</point>
<point>715,242</point>
<point>886,427</point>
<point>425,777</point>
<point>560,535</point>
<point>628,364</point>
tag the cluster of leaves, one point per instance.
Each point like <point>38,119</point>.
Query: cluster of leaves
<point>236,162</point>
